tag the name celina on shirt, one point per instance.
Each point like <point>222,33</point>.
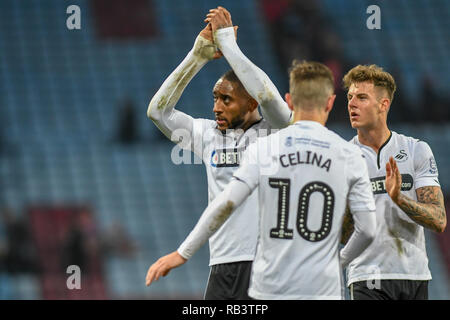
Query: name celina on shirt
<point>308,157</point>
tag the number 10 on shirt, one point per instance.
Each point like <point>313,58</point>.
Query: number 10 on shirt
<point>282,231</point>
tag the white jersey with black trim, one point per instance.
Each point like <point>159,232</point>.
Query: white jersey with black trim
<point>306,174</point>
<point>398,250</point>
<point>221,153</point>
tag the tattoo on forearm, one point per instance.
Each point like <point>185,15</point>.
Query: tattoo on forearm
<point>428,210</point>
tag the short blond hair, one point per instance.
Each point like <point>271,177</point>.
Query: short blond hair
<point>310,84</point>
<point>374,74</point>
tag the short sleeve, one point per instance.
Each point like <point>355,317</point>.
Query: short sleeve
<point>425,167</point>
<point>248,171</point>
<point>360,197</point>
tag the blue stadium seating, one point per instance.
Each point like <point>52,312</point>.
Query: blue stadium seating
<point>412,39</point>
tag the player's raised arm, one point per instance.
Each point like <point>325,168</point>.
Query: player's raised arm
<point>212,218</point>
<point>255,80</point>
<point>161,109</point>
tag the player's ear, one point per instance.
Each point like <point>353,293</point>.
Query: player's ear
<point>288,99</point>
<point>385,104</point>
<point>253,104</point>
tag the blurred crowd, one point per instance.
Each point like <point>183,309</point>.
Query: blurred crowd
<point>82,243</point>
<point>300,30</point>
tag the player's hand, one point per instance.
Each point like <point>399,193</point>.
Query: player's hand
<point>207,33</point>
<point>393,180</point>
<point>220,18</point>
<point>163,266</point>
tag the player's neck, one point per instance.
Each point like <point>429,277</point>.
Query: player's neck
<point>374,137</point>
<point>255,117</point>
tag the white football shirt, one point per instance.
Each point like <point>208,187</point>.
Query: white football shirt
<point>305,175</point>
<point>221,154</point>
<point>398,251</point>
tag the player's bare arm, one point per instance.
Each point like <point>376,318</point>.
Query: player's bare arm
<point>347,226</point>
<point>273,107</point>
<point>428,210</point>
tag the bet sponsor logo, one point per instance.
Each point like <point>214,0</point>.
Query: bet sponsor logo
<point>379,187</point>
<point>226,157</point>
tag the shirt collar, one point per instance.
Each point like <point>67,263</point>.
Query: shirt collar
<point>309,123</point>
